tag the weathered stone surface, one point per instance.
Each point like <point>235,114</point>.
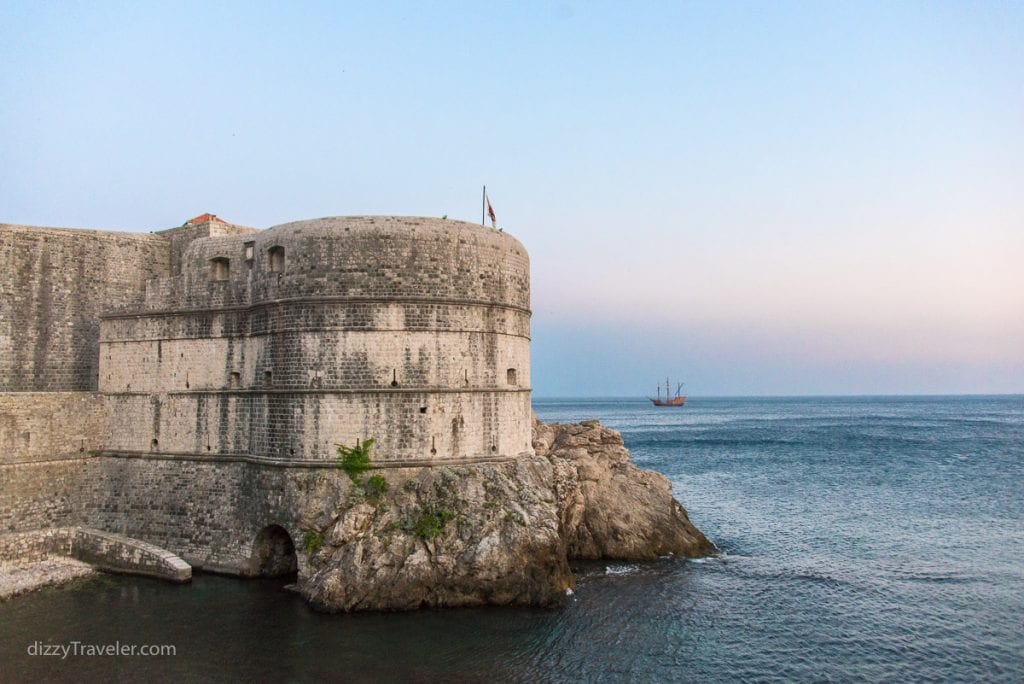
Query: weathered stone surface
<point>29,560</point>
<point>513,530</point>
<point>117,553</point>
<point>54,284</point>
<point>413,331</point>
<point>230,362</point>
<point>607,507</point>
<point>22,577</point>
<point>470,535</point>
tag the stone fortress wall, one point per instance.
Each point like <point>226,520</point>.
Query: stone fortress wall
<point>284,343</point>
<point>229,362</point>
<point>54,284</point>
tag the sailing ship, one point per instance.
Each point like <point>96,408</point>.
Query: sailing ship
<point>678,400</point>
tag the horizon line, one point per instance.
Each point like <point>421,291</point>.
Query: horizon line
<point>783,396</point>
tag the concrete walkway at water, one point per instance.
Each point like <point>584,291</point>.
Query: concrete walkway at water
<point>18,578</point>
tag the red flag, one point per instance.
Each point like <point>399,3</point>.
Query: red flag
<point>490,212</point>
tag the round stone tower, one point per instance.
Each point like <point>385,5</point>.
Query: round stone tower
<point>283,343</point>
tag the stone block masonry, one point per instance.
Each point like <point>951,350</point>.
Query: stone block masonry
<point>116,553</point>
<point>46,439</point>
<point>285,343</point>
<point>37,427</point>
<point>32,559</point>
<point>189,387</point>
<point>54,284</point>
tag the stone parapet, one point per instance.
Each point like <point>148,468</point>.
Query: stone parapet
<point>102,550</point>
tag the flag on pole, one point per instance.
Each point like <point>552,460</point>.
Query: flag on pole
<point>490,212</point>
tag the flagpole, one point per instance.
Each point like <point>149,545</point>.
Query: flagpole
<point>483,206</point>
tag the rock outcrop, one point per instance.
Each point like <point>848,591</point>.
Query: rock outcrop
<point>607,507</point>
<point>481,534</point>
<point>498,534</point>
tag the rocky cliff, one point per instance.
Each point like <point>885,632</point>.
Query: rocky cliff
<point>500,533</point>
<point>607,507</point>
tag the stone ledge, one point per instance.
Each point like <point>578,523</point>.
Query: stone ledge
<point>398,299</point>
<point>330,464</point>
<point>329,391</point>
<point>117,553</point>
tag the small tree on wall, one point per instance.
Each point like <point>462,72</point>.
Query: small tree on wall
<point>355,460</point>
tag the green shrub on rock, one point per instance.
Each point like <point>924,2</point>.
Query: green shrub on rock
<point>431,522</point>
<point>376,486</point>
<point>313,541</point>
<point>355,460</point>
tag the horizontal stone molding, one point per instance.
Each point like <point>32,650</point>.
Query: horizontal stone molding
<point>331,329</point>
<point>280,331</point>
<point>243,308</point>
<point>328,464</point>
<point>50,461</point>
<point>328,391</point>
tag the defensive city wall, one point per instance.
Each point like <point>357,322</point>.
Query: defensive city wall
<point>188,388</point>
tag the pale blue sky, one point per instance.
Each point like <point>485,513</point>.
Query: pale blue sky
<point>757,198</point>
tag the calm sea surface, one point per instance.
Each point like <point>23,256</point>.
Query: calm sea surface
<point>870,539</point>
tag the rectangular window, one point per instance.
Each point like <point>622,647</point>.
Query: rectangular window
<point>220,269</point>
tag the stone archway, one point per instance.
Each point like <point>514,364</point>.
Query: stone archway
<point>273,553</point>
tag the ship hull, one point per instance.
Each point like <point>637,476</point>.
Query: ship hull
<point>678,401</point>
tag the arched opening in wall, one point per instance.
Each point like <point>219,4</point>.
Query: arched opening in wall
<point>276,259</point>
<point>273,553</point>
<point>510,376</point>
<point>220,268</point>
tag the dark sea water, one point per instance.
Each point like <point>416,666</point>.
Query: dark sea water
<point>863,539</point>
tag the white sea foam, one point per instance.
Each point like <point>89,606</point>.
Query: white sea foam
<point>620,569</point>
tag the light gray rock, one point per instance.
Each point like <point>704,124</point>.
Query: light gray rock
<point>486,534</point>
<point>607,507</point>
<point>496,534</point>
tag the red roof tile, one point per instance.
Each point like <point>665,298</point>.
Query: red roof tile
<point>205,218</point>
